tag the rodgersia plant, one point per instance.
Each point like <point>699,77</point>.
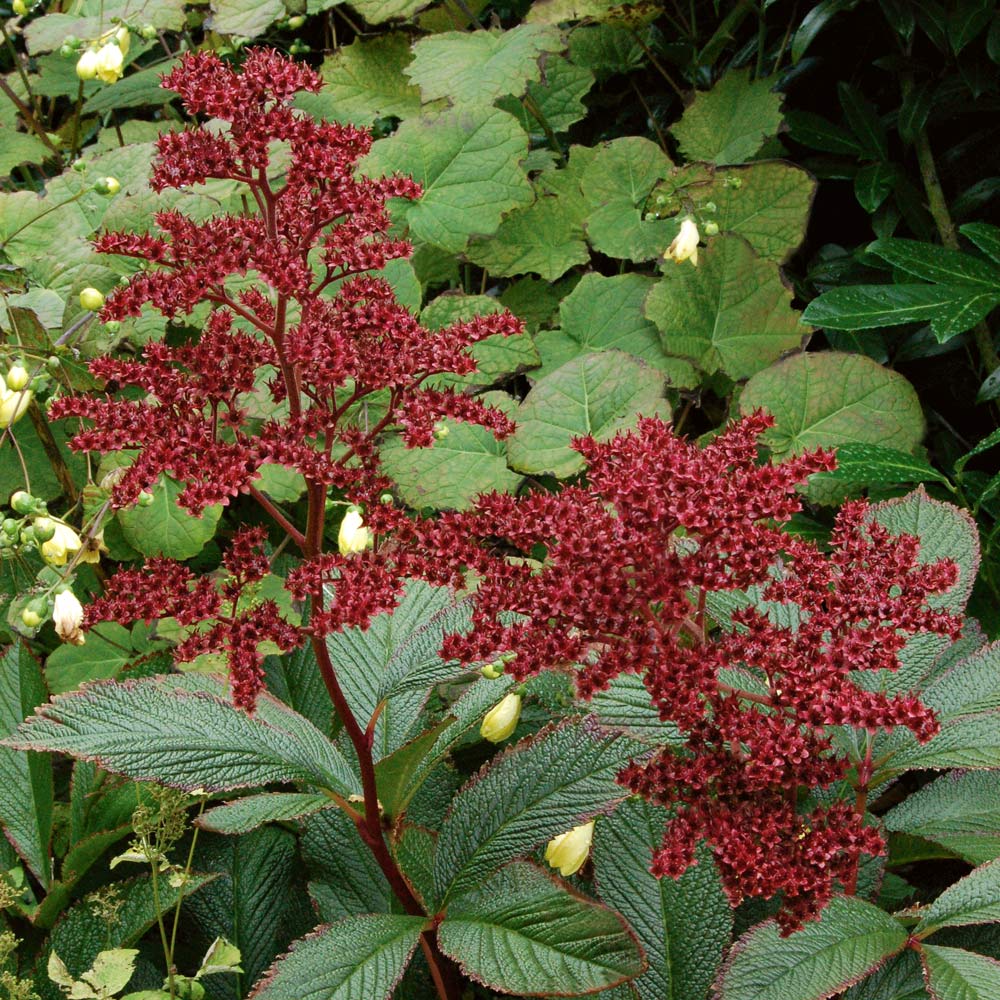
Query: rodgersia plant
<point>629,572</point>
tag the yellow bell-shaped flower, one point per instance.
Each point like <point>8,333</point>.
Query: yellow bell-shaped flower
<point>569,850</point>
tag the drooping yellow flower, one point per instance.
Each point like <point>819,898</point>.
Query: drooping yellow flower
<point>354,536</point>
<point>67,616</point>
<point>685,244</point>
<point>61,546</point>
<point>110,63</point>
<point>13,405</point>
<point>569,850</point>
<point>501,720</point>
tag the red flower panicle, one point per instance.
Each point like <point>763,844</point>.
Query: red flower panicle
<point>307,340</point>
<point>632,562</point>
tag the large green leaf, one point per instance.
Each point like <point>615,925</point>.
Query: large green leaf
<point>397,655</point>
<point>477,67</point>
<point>164,528</point>
<point>546,239</point>
<point>359,958</point>
<point>828,398</point>
<point>603,313</point>
<point>949,308</point>
<point>527,933</point>
<point>683,924</point>
<point>938,264</point>
<point>730,122</point>
<point>960,811</point>
<point>616,184</point>
<point>974,899</point>
<point>364,81</point>
<point>730,313</point>
<point>898,979</point>
<point>245,18</point>
<point>850,939</point>
<point>554,102</point>
<point>957,974</point>
<point>945,532</point>
<point>252,899</point>
<point>252,811</point>
<point>344,877</point>
<point>380,11</point>
<point>26,795</point>
<point>624,704</point>
<point>149,730</point>
<point>765,203</point>
<point>468,163</point>
<point>594,394</point>
<point>874,463</point>
<point>453,471</point>
<point>543,786</point>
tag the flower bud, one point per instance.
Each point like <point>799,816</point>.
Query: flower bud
<point>110,63</point>
<point>86,65</point>
<point>112,326</point>
<point>63,544</point>
<point>124,38</point>
<point>491,671</point>
<point>296,22</point>
<point>22,502</point>
<point>711,229</point>
<point>34,612</point>
<point>17,376</point>
<point>19,7</point>
<point>144,499</point>
<point>10,527</point>
<point>92,299</point>
<point>501,720</point>
<point>13,406</point>
<point>45,528</point>
<point>354,536</point>
<point>80,166</point>
<point>685,244</point>
<point>441,430</point>
<point>67,616</point>
<point>107,185</point>
<point>148,31</point>
<point>568,851</point>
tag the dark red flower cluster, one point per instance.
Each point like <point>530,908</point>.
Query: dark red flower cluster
<point>313,333</point>
<point>237,621</point>
<point>634,561</point>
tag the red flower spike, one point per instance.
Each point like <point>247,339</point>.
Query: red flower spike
<point>630,561</point>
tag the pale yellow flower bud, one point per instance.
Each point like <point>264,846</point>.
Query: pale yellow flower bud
<point>501,720</point>
<point>17,377</point>
<point>568,851</point>
<point>354,536</point>
<point>110,63</point>
<point>685,244</point>
<point>67,616</point>
<point>13,405</point>
<point>86,65</point>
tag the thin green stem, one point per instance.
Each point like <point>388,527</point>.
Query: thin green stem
<point>154,876</point>
<point>180,893</point>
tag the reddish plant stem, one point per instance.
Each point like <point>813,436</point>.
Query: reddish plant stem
<point>865,771</point>
<point>286,525</point>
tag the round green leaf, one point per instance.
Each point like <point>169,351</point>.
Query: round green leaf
<point>826,399</point>
<point>597,395</point>
<point>164,528</point>
<point>468,163</point>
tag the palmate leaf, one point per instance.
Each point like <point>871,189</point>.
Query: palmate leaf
<point>528,933</point>
<point>543,786</point>
<point>595,394</point>
<point>154,730</point>
<point>731,313</point>
<point>850,939</point>
<point>477,67</point>
<point>468,163</point>
<point>358,958</point>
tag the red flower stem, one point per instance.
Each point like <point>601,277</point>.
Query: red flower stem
<point>865,771</point>
<point>760,699</point>
<point>286,525</point>
<point>369,826</point>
